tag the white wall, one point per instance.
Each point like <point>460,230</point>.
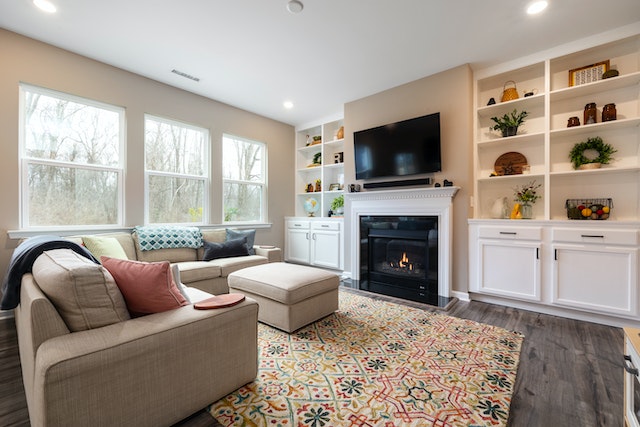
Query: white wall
<point>33,62</point>
<point>451,94</point>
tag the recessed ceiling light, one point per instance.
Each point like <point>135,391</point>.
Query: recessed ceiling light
<point>288,105</point>
<point>536,7</point>
<point>295,6</point>
<point>45,5</point>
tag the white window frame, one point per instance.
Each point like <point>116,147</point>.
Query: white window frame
<point>206,177</point>
<point>25,161</point>
<point>263,205</point>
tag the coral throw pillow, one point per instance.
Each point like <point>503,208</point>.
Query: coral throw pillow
<point>147,287</point>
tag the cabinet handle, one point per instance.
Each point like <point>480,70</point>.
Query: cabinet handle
<point>555,254</point>
<point>512,233</point>
<point>628,365</point>
<point>596,236</point>
<point>324,225</point>
<point>307,235</point>
<point>313,236</point>
<point>537,253</point>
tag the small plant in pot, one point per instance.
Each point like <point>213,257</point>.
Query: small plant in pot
<point>590,154</point>
<point>337,205</point>
<point>508,123</point>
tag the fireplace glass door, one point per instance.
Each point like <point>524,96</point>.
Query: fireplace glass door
<point>399,257</point>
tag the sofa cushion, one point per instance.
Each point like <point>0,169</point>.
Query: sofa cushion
<point>195,271</point>
<point>249,234</point>
<point>230,248</point>
<point>229,265</point>
<point>147,287</point>
<point>104,246</point>
<point>84,293</point>
<point>172,254</point>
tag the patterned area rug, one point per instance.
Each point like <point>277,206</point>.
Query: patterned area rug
<point>375,363</point>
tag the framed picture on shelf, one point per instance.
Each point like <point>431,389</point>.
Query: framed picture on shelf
<point>588,74</point>
<point>334,187</point>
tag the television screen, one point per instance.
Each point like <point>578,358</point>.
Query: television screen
<point>408,147</point>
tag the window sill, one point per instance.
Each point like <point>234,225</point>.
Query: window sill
<point>67,231</point>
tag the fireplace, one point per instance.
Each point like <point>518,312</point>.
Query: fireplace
<point>399,256</point>
<point>409,244</point>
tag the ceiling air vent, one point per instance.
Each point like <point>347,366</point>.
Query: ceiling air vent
<point>185,75</point>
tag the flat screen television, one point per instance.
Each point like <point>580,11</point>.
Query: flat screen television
<point>408,147</point>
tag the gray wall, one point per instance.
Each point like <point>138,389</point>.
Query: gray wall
<point>451,94</point>
<point>29,61</point>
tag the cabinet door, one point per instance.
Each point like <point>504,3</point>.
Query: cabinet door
<point>325,249</point>
<point>298,245</point>
<point>596,278</point>
<point>509,268</point>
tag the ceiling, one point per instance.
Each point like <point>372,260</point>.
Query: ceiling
<point>254,54</point>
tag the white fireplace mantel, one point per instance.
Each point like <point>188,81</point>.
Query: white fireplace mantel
<point>406,202</point>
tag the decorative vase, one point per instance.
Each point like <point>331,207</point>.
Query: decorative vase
<point>500,208</point>
<point>526,210</point>
<point>340,133</point>
<point>510,131</point>
<point>573,121</point>
<point>609,112</point>
<point>590,113</point>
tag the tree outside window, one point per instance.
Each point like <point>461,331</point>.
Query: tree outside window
<point>177,171</point>
<point>244,179</point>
<point>71,160</point>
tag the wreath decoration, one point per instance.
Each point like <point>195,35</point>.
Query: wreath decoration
<point>596,144</point>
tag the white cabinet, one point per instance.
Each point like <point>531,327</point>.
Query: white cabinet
<point>297,242</point>
<point>315,242</point>
<point>319,165</point>
<point>581,269</point>
<point>508,262</point>
<point>596,269</point>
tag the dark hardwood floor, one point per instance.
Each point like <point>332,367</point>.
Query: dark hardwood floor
<point>570,372</point>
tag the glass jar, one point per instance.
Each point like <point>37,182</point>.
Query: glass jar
<point>590,113</point>
<point>573,121</point>
<point>609,112</point>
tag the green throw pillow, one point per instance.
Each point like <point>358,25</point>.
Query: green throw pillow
<point>104,246</point>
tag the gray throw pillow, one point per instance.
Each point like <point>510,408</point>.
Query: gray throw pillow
<point>230,248</point>
<point>249,234</point>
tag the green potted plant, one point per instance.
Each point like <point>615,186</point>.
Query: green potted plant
<point>590,154</point>
<point>508,123</point>
<point>337,205</point>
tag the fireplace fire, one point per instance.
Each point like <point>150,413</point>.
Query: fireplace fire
<point>403,266</point>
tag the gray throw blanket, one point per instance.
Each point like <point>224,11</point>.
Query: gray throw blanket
<point>22,260</point>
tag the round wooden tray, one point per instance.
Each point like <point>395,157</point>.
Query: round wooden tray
<point>510,164</point>
<point>219,301</point>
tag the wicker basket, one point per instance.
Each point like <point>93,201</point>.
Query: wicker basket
<point>596,209</point>
<point>509,93</point>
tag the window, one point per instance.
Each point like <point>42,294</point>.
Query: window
<point>177,177</point>
<point>71,160</point>
<point>244,179</point>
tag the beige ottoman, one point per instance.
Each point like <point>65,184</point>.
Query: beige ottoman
<point>290,296</point>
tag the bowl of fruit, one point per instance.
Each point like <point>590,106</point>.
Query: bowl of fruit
<point>596,209</point>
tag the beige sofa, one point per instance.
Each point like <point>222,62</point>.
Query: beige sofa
<point>149,371</point>
<point>153,370</point>
<point>208,276</point>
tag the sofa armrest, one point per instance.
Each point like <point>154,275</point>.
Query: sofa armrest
<point>272,253</point>
<point>152,370</point>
